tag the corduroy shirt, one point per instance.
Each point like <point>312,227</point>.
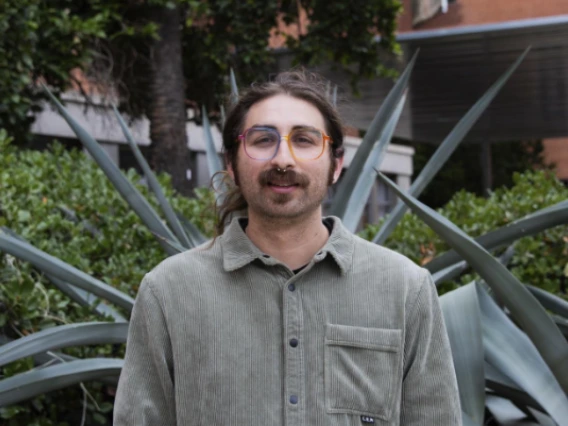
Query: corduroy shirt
<point>226,335</point>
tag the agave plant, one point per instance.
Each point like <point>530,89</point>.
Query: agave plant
<point>508,339</point>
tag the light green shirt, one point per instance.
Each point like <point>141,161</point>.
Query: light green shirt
<point>226,335</point>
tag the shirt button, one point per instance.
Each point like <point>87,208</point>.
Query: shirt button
<point>291,287</point>
<point>293,342</point>
<point>293,399</point>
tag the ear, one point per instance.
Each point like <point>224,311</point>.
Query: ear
<point>338,168</point>
<point>230,170</point>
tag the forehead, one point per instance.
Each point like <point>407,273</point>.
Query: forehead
<point>284,112</point>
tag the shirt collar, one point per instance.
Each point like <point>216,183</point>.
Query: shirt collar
<point>238,250</point>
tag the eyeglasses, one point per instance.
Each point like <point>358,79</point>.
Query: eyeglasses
<point>305,143</point>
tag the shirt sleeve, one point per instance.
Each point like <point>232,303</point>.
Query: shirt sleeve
<point>145,394</point>
<point>429,390</point>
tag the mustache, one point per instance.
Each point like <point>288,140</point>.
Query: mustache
<point>289,177</point>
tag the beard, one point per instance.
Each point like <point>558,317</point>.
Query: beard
<point>307,198</point>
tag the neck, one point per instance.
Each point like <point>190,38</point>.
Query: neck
<point>292,242</point>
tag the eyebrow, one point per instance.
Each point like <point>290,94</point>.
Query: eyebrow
<point>297,126</point>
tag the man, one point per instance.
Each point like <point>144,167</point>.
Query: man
<point>286,318</point>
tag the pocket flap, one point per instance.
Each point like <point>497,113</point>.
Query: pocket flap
<point>363,337</point>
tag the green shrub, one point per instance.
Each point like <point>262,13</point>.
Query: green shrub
<point>540,260</point>
<point>61,202</point>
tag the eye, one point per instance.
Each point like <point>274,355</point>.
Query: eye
<point>306,138</point>
<point>260,138</point>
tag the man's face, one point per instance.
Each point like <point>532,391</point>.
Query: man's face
<point>299,191</point>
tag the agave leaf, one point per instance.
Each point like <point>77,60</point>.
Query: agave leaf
<point>72,216</point>
<point>445,150</point>
<point>334,96</point>
<point>532,224</point>
<point>223,116</point>
<point>541,418</point>
<point>234,88</point>
<point>213,160</point>
<point>174,246</point>
<point>86,299</point>
<point>36,382</point>
<point>510,351</point>
<point>467,421</point>
<point>538,325</point>
<point>51,358</point>
<point>506,257</point>
<point>505,387</point>
<point>59,269</point>
<point>41,358</point>
<point>357,198</point>
<point>78,295</point>
<point>550,301</point>
<point>461,315</point>
<point>449,273</point>
<point>197,238</point>
<point>453,271</point>
<point>154,184</point>
<point>562,324</point>
<point>128,191</point>
<point>63,336</point>
<point>387,109</point>
<point>504,412</point>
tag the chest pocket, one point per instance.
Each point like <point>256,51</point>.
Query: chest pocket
<point>362,370</point>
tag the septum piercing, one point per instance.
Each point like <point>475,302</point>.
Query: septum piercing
<point>282,170</point>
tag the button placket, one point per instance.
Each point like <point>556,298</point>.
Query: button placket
<point>293,369</point>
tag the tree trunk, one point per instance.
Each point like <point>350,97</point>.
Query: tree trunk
<point>169,151</point>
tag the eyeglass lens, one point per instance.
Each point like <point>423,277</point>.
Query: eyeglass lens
<point>306,143</point>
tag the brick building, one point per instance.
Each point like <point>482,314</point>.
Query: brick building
<point>544,24</point>
<point>465,45</point>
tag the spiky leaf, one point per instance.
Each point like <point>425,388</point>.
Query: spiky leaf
<point>349,180</point>
<point>538,325</point>
<point>128,191</point>
<point>154,184</point>
<point>445,150</point>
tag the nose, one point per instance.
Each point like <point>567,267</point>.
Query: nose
<point>283,157</point>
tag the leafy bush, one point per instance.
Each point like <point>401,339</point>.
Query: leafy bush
<point>61,202</point>
<point>540,260</point>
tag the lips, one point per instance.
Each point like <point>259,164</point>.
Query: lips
<point>283,181</point>
<point>282,185</point>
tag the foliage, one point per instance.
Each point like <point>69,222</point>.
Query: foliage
<point>531,191</point>
<point>62,203</point>
<point>507,158</point>
<point>219,35</point>
<point>342,32</point>
<point>45,40</point>
<point>112,40</point>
